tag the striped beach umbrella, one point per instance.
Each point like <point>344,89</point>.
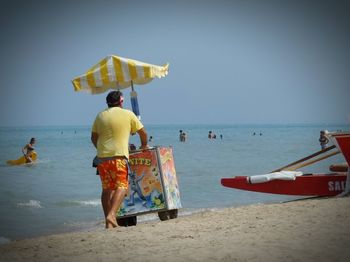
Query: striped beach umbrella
<point>115,72</point>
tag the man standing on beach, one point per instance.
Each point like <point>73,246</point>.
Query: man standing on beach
<point>110,135</point>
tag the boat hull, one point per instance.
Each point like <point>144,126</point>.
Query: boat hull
<point>305,185</point>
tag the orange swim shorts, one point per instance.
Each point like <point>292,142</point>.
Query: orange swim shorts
<point>114,174</point>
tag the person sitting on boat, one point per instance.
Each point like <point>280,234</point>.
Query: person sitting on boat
<point>28,150</point>
<point>323,139</point>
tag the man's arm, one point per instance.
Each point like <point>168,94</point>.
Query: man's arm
<point>94,138</point>
<point>143,138</point>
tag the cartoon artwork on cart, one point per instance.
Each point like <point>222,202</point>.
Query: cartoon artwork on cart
<point>145,186</point>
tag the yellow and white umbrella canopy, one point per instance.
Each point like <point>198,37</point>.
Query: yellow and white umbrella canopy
<point>115,72</point>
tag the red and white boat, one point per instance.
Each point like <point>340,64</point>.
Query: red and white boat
<point>288,182</point>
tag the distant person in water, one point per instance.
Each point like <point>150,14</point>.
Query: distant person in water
<point>323,139</point>
<point>150,139</point>
<point>28,150</point>
<point>184,137</point>
<point>132,147</point>
<point>180,136</point>
<point>211,135</point>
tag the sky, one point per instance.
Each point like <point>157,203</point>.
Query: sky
<point>231,62</point>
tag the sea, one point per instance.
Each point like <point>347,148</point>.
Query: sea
<point>61,192</point>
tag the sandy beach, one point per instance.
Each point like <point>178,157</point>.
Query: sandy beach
<point>307,230</point>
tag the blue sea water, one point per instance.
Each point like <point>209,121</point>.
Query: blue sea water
<point>62,193</point>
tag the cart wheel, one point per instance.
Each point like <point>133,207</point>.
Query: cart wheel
<point>173,213</point>
<point>127,221</point>
<point>163,215</point>
<point>132,221</point>
<point>122,222</point>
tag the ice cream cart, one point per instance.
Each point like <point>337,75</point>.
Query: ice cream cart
<point>153,186</point>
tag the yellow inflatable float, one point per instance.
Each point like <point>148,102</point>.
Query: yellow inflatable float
<point>22,160</point>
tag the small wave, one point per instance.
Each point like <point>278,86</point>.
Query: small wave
<point>95,202</point>
<point>147,217</point>
<point>43,161</point>
<point>72,203</point>
<point>31,203</point>
<point>4,240</point>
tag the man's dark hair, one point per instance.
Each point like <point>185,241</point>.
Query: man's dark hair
<point>114,98</point>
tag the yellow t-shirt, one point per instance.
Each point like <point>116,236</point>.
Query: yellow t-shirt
<point>114,126</point>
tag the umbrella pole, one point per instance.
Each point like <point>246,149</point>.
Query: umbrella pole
<point>134,102</point>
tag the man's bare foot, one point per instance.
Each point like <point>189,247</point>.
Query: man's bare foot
<point>111,223</point>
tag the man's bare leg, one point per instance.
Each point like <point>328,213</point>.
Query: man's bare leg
<point>117,198</point>
<point>106,201</point>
